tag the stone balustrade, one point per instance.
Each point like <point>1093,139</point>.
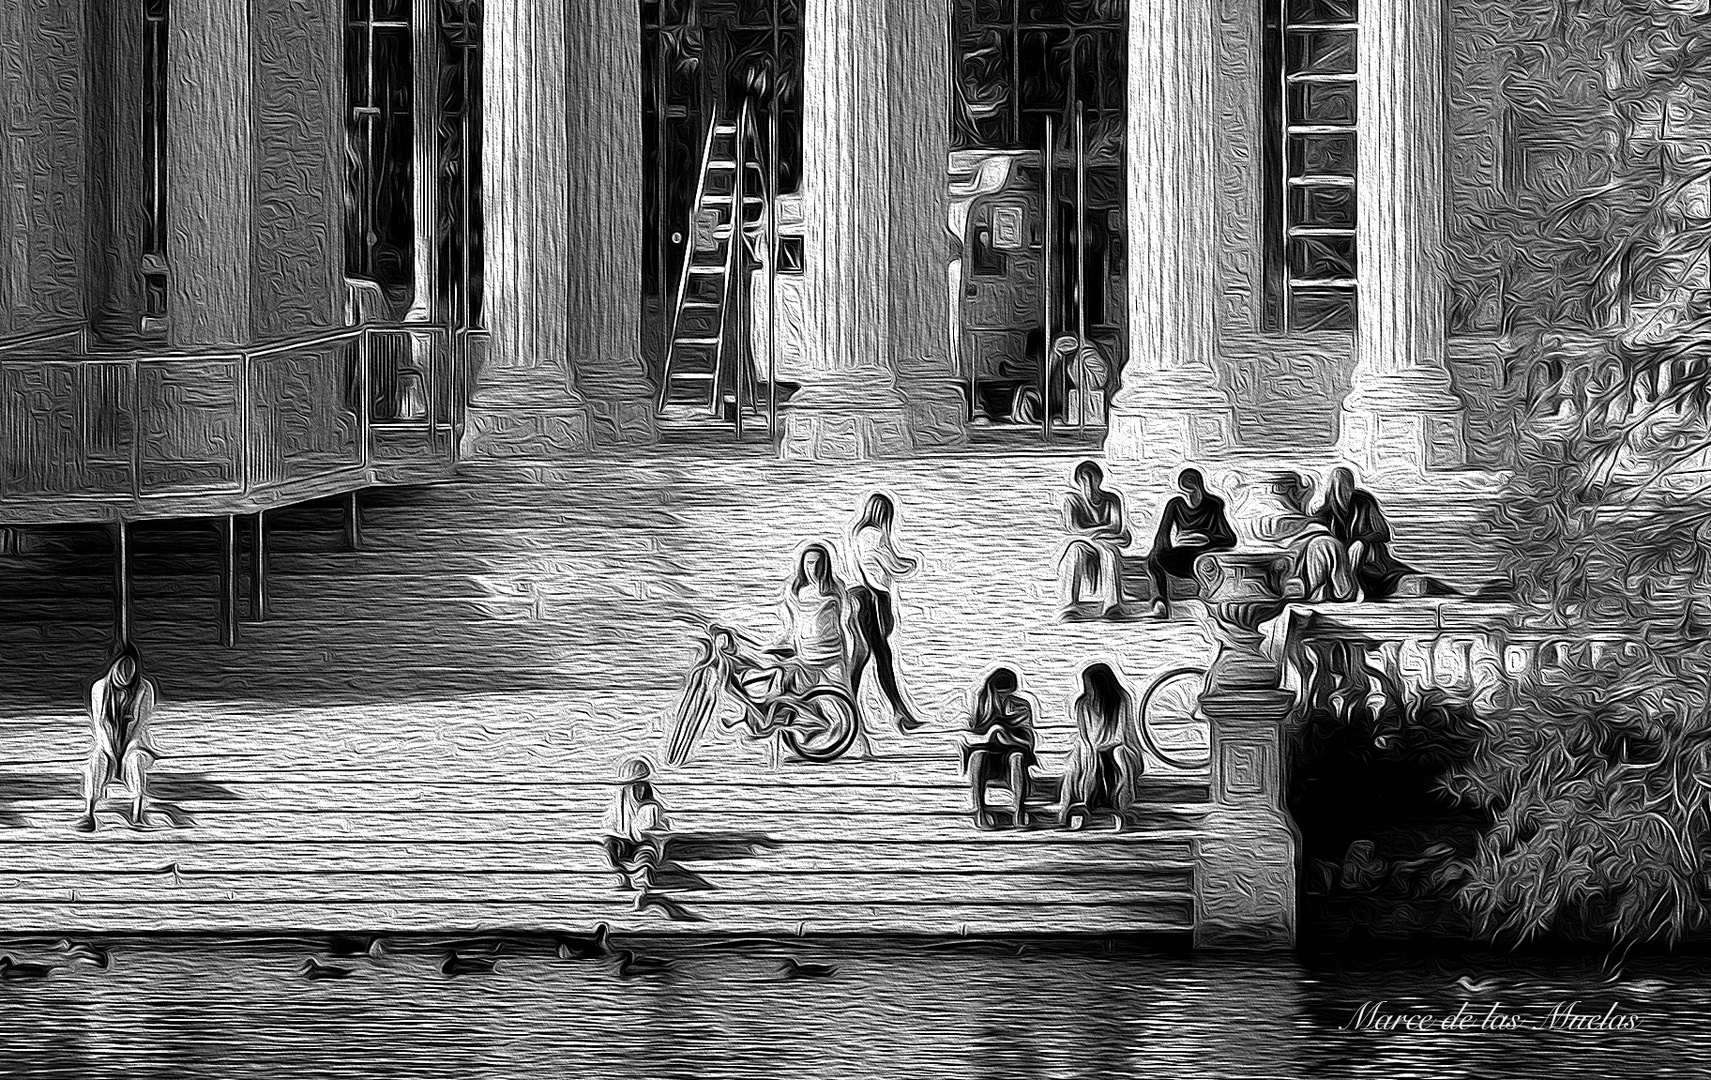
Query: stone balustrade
<point>1280,661</point>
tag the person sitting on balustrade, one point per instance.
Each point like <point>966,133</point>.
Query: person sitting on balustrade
<point>1354,517</point>
<point>1319,569</point>
<point>1193,523</point>
<point>999,746</point>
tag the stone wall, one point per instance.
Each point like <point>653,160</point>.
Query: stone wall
<point>43,95</point>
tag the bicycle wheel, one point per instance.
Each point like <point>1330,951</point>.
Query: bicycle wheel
<point>1171,724</point>
<point>824,725</point>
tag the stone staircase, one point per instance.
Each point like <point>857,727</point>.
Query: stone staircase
<point>423,733</point>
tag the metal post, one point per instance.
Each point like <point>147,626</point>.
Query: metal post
<point>228,527</point>
<point>1081,267</point>
<point>772,181</point>
<point>1047,264</point>
<point>353,522</point>
<point>739,277</point>
<point>258,569</point>
<point>122,581</point>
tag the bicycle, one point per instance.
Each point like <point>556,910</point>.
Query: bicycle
<point>779,696</point>
<point>1170,724</point>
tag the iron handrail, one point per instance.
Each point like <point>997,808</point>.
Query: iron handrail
<point>444,364</point>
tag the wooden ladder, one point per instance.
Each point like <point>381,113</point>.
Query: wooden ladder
<point>710,317</point>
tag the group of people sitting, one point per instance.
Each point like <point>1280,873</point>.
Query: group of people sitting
<point>1105,759</point>
<point>1339,551</point>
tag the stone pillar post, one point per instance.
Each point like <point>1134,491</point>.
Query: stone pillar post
<point>603,112</point>
<point>425,134</point>
<point>1246,866</point>
<point>254,170</point>
<point>209,172</point>
<point>1401,412</point>
<point>44,198</point>
<point>919,189</point>
<point>525,404</point>
<point>1169,407</point>
<point>850,407</point>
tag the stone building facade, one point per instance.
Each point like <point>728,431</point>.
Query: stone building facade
<point>1464,120</point>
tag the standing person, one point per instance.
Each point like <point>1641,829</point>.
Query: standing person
<point>1092,556</point>
<point>1106,762</point>
<point>1193,523</point>
<point>877,566</point>
<point>121,704</point>
<point>1354,517</point>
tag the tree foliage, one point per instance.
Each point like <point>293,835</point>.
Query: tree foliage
<point>1599,788</point>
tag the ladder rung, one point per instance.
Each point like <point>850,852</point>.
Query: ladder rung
<point>722,165</point>
<point>698,341</point>
<point>701,305</point>
<point>692,376</point>
<point>724,129</point>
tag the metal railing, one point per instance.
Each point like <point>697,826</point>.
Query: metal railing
<point>244,425</point>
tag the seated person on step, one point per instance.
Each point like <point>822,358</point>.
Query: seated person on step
<point>1091,558</point>
<point>636,830</point>
<point>999,746</point>
<point>1106,762</point>
<point>121,704</point>
<point>1193,523</point>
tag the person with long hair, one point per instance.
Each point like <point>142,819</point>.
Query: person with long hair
<point>876,566</point>
<point>999,747</point>
<point>1355,519</point>
<point>121,705</point>
<point>1091,558</point>
<point>1106,763</point>
<point>1319,563</point>
<point>815,618</point>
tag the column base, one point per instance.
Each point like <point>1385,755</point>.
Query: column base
<point>533,422</point>
<point>1407,422</point>
<point>936,415</point>
<point>624,421</point>
<point>829,434</point>
<point>1169,420</point>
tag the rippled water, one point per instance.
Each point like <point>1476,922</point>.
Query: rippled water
<point>891,1010</point>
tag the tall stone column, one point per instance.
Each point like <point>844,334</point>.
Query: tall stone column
<point>919,188</point>
<point>254,170</point>
<point>425,134</point>
<point>1401,412</point>
<point>603,113</point>
<point>1169,407</point>
<point>525,403</point>
<point>209,172</point>
<point>851,407</point>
